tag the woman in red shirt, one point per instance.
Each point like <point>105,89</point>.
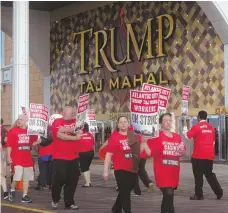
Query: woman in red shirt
<point>124,150</point>
<point>86,154</point>
<point>166,150</point>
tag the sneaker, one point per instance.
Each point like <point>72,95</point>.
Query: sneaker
<point>220,195</point>
<point>6,195</point>
<point>11,196</point>
<point>86,186</point>
<point>54,205</point>
<point>26,199</point>
<point>74,207</point>
<point>196,197</point>
<point>150,187</point>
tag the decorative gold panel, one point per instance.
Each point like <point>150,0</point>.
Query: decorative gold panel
<point>194,56</point>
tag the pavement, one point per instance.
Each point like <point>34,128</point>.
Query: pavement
<point>101,196</point>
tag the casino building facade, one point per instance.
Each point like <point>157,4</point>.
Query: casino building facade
<point>107,48</point>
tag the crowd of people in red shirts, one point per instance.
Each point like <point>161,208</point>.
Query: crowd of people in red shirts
<point>60,165</point>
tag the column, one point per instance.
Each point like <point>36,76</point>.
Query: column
<point>226,74</point>
<point>20,62</point>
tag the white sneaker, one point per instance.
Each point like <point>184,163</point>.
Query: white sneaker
<point>73,207</point>
<point>54,205</point>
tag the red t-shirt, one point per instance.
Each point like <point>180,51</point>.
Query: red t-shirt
<point>166,155</point>
<point>66,150</point>
<point>122,155</point>
<point>21,144</point>
<point>46,150</point>
<point>203,134</point>
<point>87,142</point>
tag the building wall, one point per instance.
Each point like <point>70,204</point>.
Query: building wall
<point>195,56</point>
<point>35,88</point>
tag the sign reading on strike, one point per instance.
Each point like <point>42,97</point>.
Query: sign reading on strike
<point>164,94</point>
<point>144,112</point>
<point>38,120</point>
<point>83,105</point>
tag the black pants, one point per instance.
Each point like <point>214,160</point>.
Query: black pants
<point>45,176</point>
<point>204,167</point>
<point>142,174</point>
<point>85,160</point>
<point>125,182</point>
<point>66,174</point>
<point>167,205</point>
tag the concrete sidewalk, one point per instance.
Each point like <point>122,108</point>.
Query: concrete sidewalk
<point>100,197</point>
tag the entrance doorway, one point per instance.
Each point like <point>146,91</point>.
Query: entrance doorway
<point>105,128</point>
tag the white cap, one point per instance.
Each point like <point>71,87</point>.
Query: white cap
<point>53,117</point>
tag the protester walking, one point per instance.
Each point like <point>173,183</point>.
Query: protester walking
<point>203,154</point>
<point>166,151</point>
<point>65,158</point>
<point>86,154</point>
<point>19,155</point>
<point>142,173</point>
<point>124,150</point>
<point>45,161</point>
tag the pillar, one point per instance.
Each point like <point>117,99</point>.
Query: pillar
<point>226,74</point>
<point>20,62</point>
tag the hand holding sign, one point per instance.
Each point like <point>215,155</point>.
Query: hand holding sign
<point>182,148</point>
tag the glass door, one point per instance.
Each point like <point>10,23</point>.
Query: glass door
<point>105,129</point>
<point>224,138</point>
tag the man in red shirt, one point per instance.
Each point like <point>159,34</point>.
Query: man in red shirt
<point>203,134</point>
<point>65,158</point>
<point>20,156</point>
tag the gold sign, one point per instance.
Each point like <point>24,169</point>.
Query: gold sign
<point>126,82</point>
<point>157,31</point>
<point>221,110</point>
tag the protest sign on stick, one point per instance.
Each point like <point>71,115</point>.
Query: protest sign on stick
<point>91,120</point>
<point>83,105</point>
<point>38,120</point>
<point>164,94</point>
<point>144,113</point>
<point>184,102</point>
